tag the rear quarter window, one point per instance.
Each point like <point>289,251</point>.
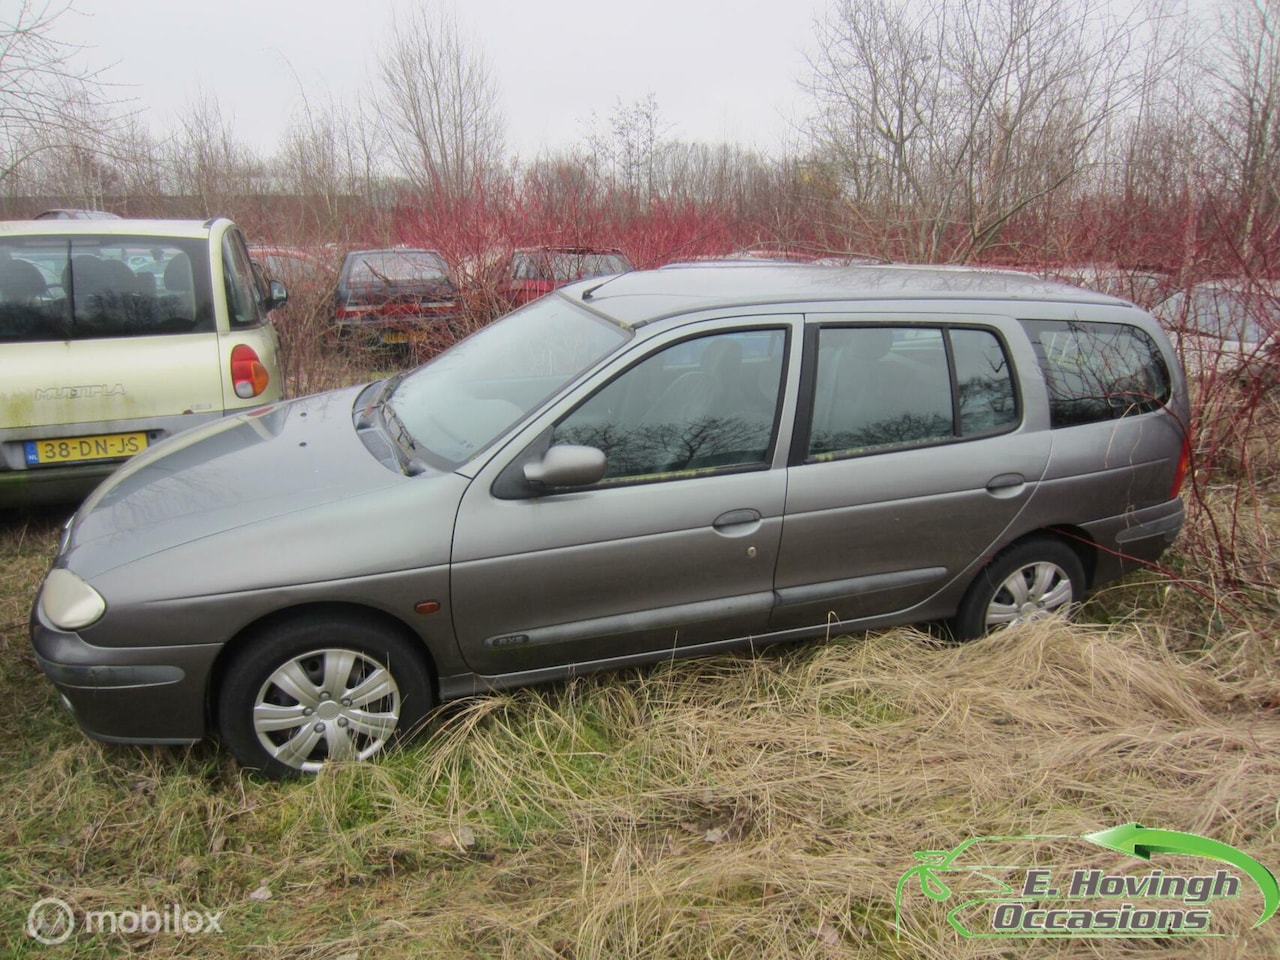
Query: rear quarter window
<point>1098,371</point>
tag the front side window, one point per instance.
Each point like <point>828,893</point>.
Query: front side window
<point>701,405</point>
<point>81,288</point>
<point>1098,371</point>
<point>881,388</point>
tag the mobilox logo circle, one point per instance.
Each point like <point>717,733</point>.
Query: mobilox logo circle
<point>50,921</point>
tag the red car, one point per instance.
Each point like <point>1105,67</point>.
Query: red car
<point>532,271</point>
<point>297,267</point>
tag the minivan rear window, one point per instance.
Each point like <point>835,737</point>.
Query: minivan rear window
<point>80,288</point>
<point>1098,371</point>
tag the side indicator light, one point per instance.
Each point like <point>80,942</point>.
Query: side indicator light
<point>426,606</point>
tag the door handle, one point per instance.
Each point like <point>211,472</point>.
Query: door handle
<point>736,518</point>
<point>1005,481</point>
<point>1006,486</point>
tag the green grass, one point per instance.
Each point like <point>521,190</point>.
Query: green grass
<point>748,806</point>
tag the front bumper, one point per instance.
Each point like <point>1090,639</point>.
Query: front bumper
<point>128,694</point>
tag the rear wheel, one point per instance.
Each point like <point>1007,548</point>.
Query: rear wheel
<point>1031,580</point>
<point>317,689</point>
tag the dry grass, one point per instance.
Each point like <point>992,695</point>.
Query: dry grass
<point>755,806</point>
<point>741,806</point>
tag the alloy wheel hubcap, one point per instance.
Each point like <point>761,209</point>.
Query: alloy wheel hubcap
<point>328,704</point>
<point>1031,592</point>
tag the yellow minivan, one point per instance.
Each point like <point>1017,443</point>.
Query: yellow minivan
<point>115,334</point>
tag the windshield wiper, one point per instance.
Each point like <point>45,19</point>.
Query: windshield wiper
<point>389,387</point>
<point>396,429</point>
<point>406,446</point>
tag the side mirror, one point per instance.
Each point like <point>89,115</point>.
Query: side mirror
<point>278,297</point>
<point>567,465</point>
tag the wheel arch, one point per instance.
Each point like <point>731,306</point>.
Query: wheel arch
<point>330,610</point>
<point>1077,538</point>
<point>1083,545</point>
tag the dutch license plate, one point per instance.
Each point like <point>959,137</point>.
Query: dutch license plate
<point>107,446</point>
<point>395,336</point>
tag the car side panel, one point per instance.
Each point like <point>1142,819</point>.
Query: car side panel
<point>869,535</point>
<point>603,573</point>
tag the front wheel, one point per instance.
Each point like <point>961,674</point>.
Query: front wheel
<point>1032,580</point>
<point>317,689</point>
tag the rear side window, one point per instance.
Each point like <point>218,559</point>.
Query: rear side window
<point>880,388</point>
<point>81,288</point>
<point>1098,371</point>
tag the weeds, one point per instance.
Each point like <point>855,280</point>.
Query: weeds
<point>752,806</point>
<point>749,806</point>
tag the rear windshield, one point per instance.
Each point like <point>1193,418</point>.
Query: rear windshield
<point>65,288</point>
<point>396,266</point>
<point>563,267</point>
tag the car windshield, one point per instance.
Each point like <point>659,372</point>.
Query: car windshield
<point>464,399</point>
<point>397,266</point>
<point>1229,314</point>
<point>565,266</point>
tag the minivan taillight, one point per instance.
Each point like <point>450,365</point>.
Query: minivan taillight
<point>1184,464</point>
<point>248,375</point>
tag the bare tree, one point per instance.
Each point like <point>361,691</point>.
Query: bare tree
<point>44,94</point>
<point>442,116</point>
<point>949,117</point>
<point>209,165</point>
<point>1245,65</point>
<point>328,160</point>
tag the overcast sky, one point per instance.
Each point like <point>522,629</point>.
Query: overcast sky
<point>722,70</point>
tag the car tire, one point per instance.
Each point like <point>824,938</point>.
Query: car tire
<point>1029,581</point>
<point>278,715</point>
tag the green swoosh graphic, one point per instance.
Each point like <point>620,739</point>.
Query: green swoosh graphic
<point>1136,840</point>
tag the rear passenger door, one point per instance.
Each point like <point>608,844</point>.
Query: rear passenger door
<point>909,461</point>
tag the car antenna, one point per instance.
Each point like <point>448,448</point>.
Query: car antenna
<point>590,292</point>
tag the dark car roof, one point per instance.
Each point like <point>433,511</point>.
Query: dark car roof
<point>642,296</point>
<point>566,248</point>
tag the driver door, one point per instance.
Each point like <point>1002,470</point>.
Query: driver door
<point>674,547</point>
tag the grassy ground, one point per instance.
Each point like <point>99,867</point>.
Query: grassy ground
<point>753,806</point>
<point>749,806</point>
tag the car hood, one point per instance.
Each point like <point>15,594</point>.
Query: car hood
<point>248,492</point>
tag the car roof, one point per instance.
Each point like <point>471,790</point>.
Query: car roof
<point>1240,285</point>
<point>108,228</point>
<point>75,213</point>
<point>568,248</point>
<point>277,250</point>
<point>642,296</point>
<point>362,253</point>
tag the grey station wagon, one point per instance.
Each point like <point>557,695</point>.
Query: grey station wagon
<point>659,464</point>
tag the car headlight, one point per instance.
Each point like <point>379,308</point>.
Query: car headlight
<point>68,602</point>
